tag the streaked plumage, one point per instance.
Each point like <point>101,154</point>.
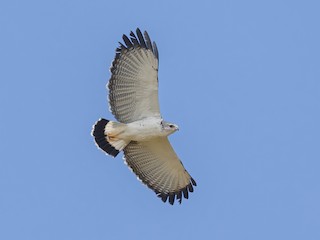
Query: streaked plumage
<point>141,132</point>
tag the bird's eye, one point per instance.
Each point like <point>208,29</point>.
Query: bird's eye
<point>171,126</point>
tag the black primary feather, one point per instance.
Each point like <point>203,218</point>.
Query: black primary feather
<point>148,41</point>
<point>127,41</point>
<point>141,39</point>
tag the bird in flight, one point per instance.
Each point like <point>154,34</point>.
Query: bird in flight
<point>141,133</point>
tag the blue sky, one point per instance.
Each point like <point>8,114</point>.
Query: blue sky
<point>240,78</point>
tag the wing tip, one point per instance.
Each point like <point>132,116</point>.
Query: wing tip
<point>137,40</point>
<point>178,195</point>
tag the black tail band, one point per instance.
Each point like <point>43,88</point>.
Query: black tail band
<point>101,138</point>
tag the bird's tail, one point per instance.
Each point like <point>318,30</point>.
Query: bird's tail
<point>107,136</point>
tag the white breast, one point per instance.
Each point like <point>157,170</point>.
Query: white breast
<point>145,129</point>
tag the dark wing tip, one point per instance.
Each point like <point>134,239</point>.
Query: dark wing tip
<point>193,182</point>
<point>164,197</point>
<point>155,50</point>
<point>148,41</point>
<point>135,41</point>
<point>185,193</point>
<point>171,198</point>
<point>121,47</point>
<point>178,194</point>
<point>127,41</point>
<point>179,197</point>
<point>141,39</point>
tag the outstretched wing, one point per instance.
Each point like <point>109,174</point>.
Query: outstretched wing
<point>157,165</point>
<point>133,86</point>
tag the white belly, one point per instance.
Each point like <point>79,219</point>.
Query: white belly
<point>143,130</point>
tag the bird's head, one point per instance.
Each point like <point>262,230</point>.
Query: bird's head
<point>168,127</point>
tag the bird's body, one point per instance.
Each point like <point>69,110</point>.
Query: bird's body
<point>140,131</point>
<point>146,129</point>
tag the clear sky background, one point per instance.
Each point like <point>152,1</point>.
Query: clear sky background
<point>240,78</point>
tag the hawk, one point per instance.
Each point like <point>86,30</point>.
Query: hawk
<point>141,133</point>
